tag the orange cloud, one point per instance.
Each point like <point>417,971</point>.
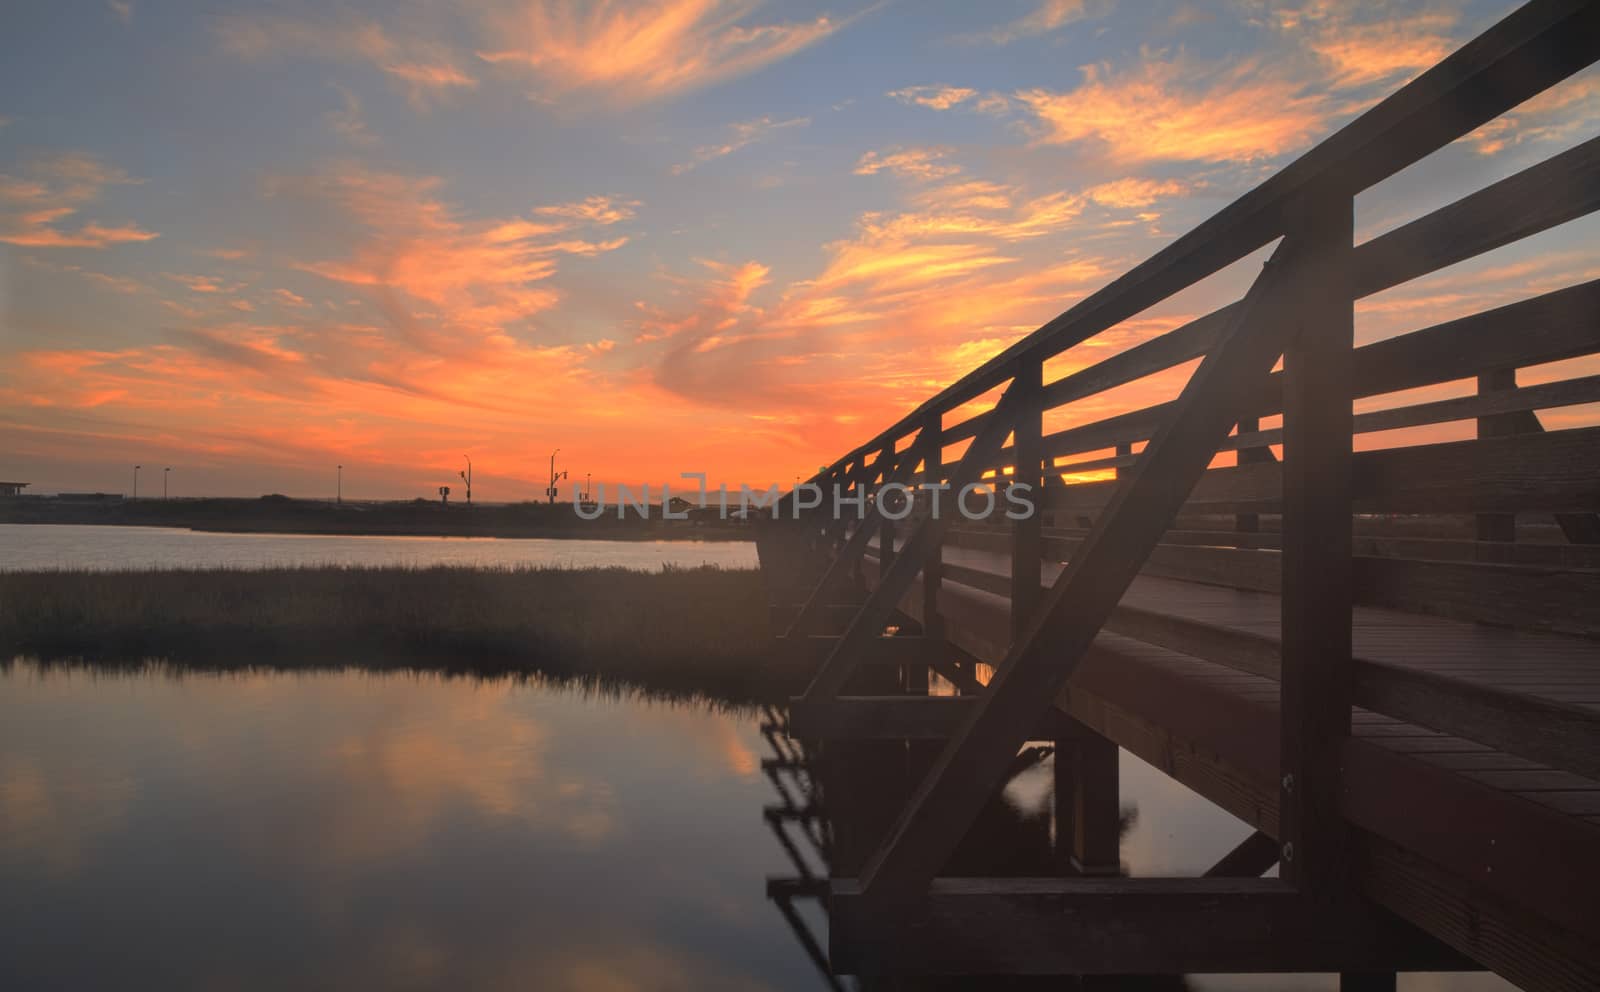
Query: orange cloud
<point>641,52</point>
<point>1180,112</point>
<point>477,277</point>
<point>35,207</point>
<point>1369,44</point>
<point>1130,192</point>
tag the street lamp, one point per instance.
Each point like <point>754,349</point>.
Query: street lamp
<point>136,469</point>
<point>467,478</point>
<point>554,477</point>
<point>164,473</point>
<point>339,492</point>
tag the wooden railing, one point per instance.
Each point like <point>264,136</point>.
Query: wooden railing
<point>1299,310</point>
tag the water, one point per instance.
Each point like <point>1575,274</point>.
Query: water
<point>355,830</point>
<point>274,831</point>
<point>26,547</point>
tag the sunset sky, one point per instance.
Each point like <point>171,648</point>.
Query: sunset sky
<point>254,241</point>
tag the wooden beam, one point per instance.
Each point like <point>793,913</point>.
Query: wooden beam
<point>1525,852</point>
<point>1027,532</point>
<point>899,718</point>
<point>1085,594</point>
<point>1093,827</point>
<point>932,453</point>
<point>1317,592</point>
<point>1091,926</point>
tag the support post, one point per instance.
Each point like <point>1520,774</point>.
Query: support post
<point>886,532</point>
<point>1497,526</point>
<point>1250,523</point>
<point>1088,804</point>
<point>1027,534</point>
<point>1316,685</point>
<point>932,449</point>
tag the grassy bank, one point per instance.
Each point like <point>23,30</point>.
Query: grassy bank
<point>690,631</point>
<point>283,515</point>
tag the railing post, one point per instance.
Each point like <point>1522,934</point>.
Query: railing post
<point>1497,526</point>
<point>1250,523</point>
<point>886,533</point>
<point>1315,705</point>
<point>1027,533</point>
<point>932,445</point>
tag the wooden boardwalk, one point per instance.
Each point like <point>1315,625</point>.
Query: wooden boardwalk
<point>1385,661</point>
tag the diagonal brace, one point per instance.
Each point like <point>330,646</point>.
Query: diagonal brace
<point>917,550</point>
<point>1066,623</point>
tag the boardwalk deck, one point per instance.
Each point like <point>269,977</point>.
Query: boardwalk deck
<point>1358,653</point>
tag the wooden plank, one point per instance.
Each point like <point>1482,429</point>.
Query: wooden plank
<point>1523,596</point>
<point>1550,472</point>
<point>1519,944</point>
<point>1077,926</point>
<point>1558,734</point>
<point>1559,189</point>
<point>899,718</point>
<point>1085,594</point>
<point>1486,406</point>
<point>804,655</point>
<point>1524,852</point>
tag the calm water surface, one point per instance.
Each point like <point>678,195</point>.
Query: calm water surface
<point>390,831</point>
<point>26,547</point>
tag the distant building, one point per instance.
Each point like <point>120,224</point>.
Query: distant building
<point>12,488</point>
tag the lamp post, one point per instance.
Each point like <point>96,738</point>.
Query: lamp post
<point>136,469</point>
<point>467,478</point>
<point>339,491</point>
<point>554,477</point>
<point>164,473</point>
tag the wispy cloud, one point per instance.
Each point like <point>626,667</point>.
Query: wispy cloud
<point>1049,16</point>
<point>916,163</point>
<point>427,70</point>
<point>740,135</point>
<point>641,52</point>
<point>936,96</point>
<point>38,209</point>
<point>348,121</point>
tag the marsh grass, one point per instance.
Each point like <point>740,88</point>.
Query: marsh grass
<point>690,631</point>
